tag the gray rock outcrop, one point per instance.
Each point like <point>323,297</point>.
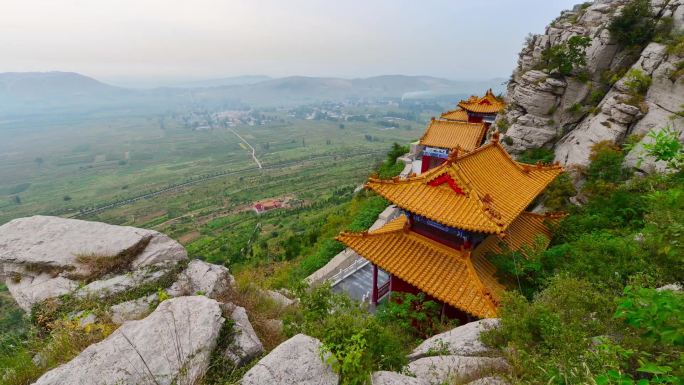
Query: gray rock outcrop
<point>170,346</point>
<point>202,278</point>
<point>280,299</point>
<point>296,361</point>
<point>572,113</point>
<point>489,381</point>
<point>133,310</point>
<point>44,257</point>
<point>456,369</point>
<point>246,344</point>
<point>393,378</point>
<point>462,341</point>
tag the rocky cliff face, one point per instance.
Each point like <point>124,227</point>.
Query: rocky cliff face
<point>571,113</point>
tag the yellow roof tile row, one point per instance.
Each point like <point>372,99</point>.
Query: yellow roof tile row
<point>463,280</point>
<point>448,134</point>
<point>488,104</point>
<point>459,115</point>
<point>492,189</point>
<point>445,273</point>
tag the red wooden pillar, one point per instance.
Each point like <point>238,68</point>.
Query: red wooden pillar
<point>425,163</point>
<point>374,295</point>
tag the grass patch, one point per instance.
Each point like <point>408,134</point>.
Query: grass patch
<point>99,265</point>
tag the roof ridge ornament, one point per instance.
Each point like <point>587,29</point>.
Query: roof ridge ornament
<point>453,154</point>
<point>495,136</point>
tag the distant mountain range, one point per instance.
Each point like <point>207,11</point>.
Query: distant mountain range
<point>30,93</point>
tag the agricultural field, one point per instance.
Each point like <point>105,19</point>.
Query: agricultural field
<point>197,183</point>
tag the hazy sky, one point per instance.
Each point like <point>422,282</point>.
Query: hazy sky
<point>165,40</point>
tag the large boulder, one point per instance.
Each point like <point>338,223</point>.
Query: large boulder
<point>120,283</point>
<point>462,341</point>
<point>29,290</point>
<point>134,309</point>
<point>246,344</point>
<point>171,346</point>
<point>43,257</point>
<point>456,369</point>
<point>296,361</point>
<point>393,378</point>
<point>202,278</point>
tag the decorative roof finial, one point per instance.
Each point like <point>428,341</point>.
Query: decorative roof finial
<point>432,119</point>
<point>495,136</point>
<point>453,155</point>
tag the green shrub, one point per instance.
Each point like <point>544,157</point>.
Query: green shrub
<point>390,168</point>
<point>637,83</point>
<point>606,165</point>
<point>567,56</point>
<point>414,314</point>
<point>666,147</point>
<point>523,266</point>
<point>635,25</point>
<point>557,196</point>
<point>596,97</point>
<point>534,155</point>
<point>649,351</point>
<point>547,339</point>
<point>353,341</point>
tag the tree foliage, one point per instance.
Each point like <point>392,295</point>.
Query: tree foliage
<point>567,56</point>
<point>635,25</point>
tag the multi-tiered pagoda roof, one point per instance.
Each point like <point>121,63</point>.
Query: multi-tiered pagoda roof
<point>487,104</point>
<point>457,213</point>
<point>482,191</point>
<point>451,134</point>
<point>457,115</point>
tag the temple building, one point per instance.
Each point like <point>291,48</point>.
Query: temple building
<point>463,129</point>
<point>443,136</point>
<point>477,109</point>
<point>453,215</point>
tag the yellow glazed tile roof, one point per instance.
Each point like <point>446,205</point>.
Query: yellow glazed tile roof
<point>488,104</point>
<point>483,191</point>
<point>448,134</point>
<point>459,115</point>
<point>445,273</point>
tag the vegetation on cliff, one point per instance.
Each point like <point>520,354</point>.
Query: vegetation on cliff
<point>586,309</point>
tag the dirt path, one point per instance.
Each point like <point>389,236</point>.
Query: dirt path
<point>256,160</point>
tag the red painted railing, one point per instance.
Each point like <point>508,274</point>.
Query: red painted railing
<point>384,289</point>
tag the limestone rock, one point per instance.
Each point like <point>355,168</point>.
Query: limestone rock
<point>43,257</point>
<point>296,361</point>
<point>202,278</point>
<point>171,345</point>
<point>392,378</point>
<point>53,242</point>
<point>489,381</point>
<point>133,309</point>
<point>279,298</point>
<point>462,340</point>
<point>246,345</point>
<point>456,369</point>
<point>30,290</point>
<point>673,287</point>
<point>123,282</point>
<point>534,94</point>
